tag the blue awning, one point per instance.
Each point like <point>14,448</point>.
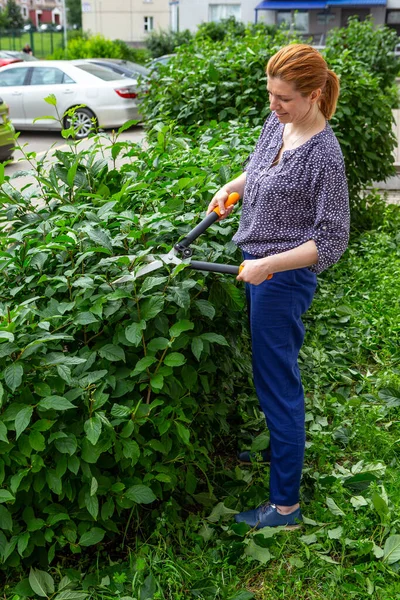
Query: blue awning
<point>291,5</point>
<point>314,4</point>
<point>356,3</point>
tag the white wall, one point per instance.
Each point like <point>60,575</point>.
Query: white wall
<point>123,19</point>
<point>194,12</point>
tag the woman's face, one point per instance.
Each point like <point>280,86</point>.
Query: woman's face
<point>287,103</point>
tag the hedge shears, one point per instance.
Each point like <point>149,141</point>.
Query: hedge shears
<point>182,253</point>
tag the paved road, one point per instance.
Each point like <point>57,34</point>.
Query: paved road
<point>43,142</point>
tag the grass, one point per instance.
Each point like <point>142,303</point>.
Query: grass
<point>350,490</point>
<point>42,44</point>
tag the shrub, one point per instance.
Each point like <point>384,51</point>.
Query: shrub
<point>98,46</point>
<point>373,46</point>
<point>112,396</point>
<point>163,42</point>
<point>226,80</point>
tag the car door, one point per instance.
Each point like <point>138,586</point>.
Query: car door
<point>12,89</point>
<point>46,81</point>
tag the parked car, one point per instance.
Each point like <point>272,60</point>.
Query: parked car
<point>7,133</point>
<point>123,67</point>
<point>160,60</point>
<point>16,55</point>
<point>109,100</point>
<point>7,60</point>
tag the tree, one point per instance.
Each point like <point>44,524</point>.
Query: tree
<point>13,15</point>
<point>74,13</point>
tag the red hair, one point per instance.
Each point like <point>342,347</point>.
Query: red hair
<point>305,68</point>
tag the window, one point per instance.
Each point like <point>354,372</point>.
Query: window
<point>148,24</point>
<point>217,12</point>
<point>393,17</point>
<point>49,76</point>
<point>24,12</point>
<point>100,72</point>
<point>13,76</point>
<point>295,20</point>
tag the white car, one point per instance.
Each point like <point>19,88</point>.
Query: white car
<point>109,100</point>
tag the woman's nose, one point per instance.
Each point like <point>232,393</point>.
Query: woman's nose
<point>273,103</point>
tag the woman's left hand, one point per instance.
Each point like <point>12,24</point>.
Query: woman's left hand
<point>254,271</point>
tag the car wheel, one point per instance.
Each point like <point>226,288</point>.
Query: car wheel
<point>82,122</point>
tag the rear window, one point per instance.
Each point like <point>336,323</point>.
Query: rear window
<point>134,67</point>
<point>100,72</point>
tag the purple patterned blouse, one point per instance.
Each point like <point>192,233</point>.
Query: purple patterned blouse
<point>303,198</point>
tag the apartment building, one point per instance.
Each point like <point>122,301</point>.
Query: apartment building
<point>308,17</point>
<point>127,20</point>
<point>39,11</point>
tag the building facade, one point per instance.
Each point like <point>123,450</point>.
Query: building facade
<point>39,11</point>
<point>127,20</point>
<point>309,17</point>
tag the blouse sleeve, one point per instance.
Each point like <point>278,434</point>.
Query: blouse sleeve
<point>332,222</point>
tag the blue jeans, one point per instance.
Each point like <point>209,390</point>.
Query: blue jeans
<point>277,334</point>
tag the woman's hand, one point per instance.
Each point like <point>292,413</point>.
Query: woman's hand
<point>219,200</point>
<point>255,271</point>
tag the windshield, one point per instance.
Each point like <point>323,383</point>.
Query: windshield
<point>100,72</point>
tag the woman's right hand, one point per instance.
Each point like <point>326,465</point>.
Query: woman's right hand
<point>219,200</point>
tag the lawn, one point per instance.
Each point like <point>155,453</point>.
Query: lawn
<point>42,44</point>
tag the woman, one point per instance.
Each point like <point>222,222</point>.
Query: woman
<point>294,224</point>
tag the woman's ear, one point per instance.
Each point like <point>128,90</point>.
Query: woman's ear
<point>315,95</point>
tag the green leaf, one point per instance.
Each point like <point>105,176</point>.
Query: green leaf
<point>221,511</point>
<point>255,552</point>
<point>197,347</point>
<point>71,595</point>
<point>23,541</point>
<point>41,582</point>
<point>157,382</point>
<point>112,352</point>
<point>143,364</point>
<point>133,332</point>
<point>243,595</point>
<point>179,327</point>
<point>67,445</point>
<point>6,335</point>
<point>65,373</point>
<point>55,403</point>
<point>22,420</point>
<point>391,549</point>
<point>92,537</point>
<point>159,343</point>
<point>92,505</point>
<point>151,282</point>
<point>214,338</point>
<point>13,376</point>
<point>141,494</point>
<point>3,433</point>
<point>333,507</point>
<point>261,442</point>
<point>1,394</point>
<point>206,308</point>
<point>51,99</point>
<point>150,307</point>
<point>5,519</point>
<point>93,429</point>
<point>183,433</point>
<point>85,318</point>
<point>175,359</point>
<point>42,389</point>
<point>335,534</point>
<point>5,496</point>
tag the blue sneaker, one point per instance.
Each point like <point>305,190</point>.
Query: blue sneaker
<point>246,457</point>
<point>267,515</point>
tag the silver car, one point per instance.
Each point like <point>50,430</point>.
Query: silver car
<point>109,100</point>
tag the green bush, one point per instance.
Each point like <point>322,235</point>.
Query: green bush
<point>112,396</point>
<point>163,42</point>
<point>98,46</point>
<point>226,80</point>
<point>371,45</point>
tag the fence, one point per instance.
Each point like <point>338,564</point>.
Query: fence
<point>43,43</point>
